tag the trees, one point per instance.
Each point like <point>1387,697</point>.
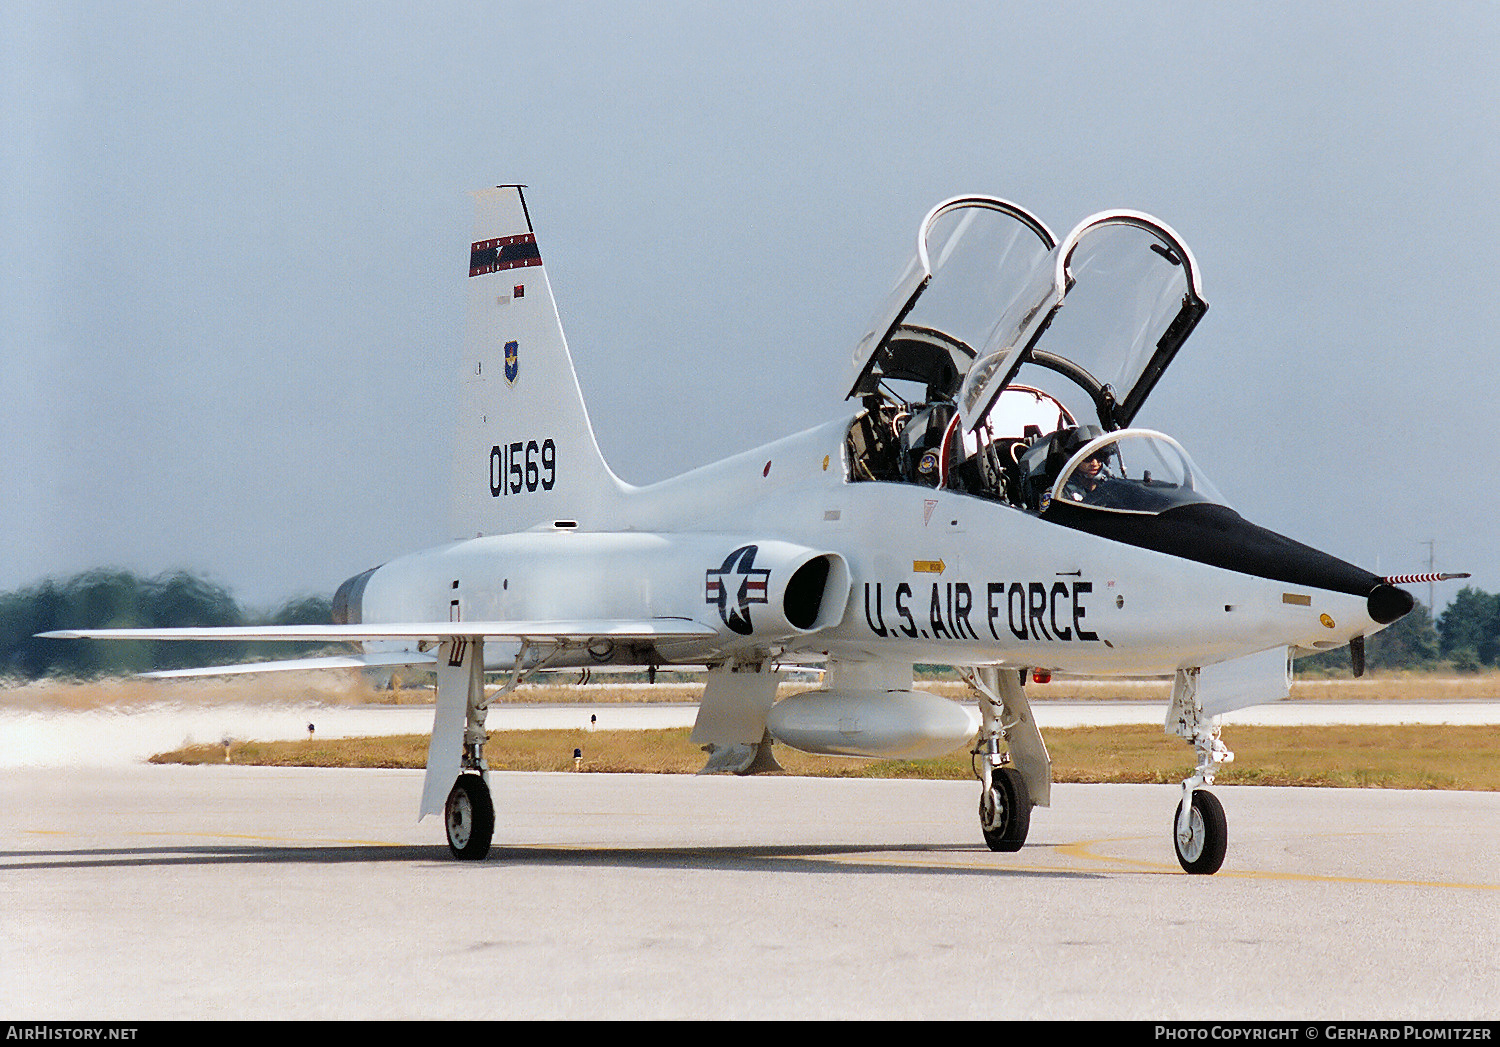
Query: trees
<point>1410,643</point>
<point>114,599</point>
<point>1471,624</point>
<point>1466,635</point>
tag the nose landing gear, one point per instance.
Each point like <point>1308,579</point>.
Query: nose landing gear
<point>1200,833</point>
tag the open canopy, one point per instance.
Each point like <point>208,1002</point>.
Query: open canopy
<point>991,290</point>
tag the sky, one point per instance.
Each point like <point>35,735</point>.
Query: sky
<point>235,240</point>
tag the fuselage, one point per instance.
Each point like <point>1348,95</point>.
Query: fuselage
<point>936,525</point>
<point>928,575</point>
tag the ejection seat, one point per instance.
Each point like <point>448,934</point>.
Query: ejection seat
<point>921,446</point>
<point>871,445</point>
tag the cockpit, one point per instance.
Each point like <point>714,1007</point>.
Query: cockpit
<point>1008,365</point>
<point>1130,471</point>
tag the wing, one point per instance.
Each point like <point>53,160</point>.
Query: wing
<point>544,634</point>
<point>557,632</point>
<point>450,658</point>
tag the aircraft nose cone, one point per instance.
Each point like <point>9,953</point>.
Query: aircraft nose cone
<point>1386,603</point>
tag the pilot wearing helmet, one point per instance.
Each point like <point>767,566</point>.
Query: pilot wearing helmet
<point>1047,458</point>
<point>1088,475</point>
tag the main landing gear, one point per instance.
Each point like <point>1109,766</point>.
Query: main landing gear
<point>469,816</point>
<point>456,752</point>
<point>1010,760</point>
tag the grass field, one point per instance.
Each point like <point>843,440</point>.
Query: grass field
<point>1397,757</point>
<point>1408,756</point>
<point>350,688</point>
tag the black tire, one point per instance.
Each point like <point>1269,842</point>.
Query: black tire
<point>1203,854</point>
<point>1012,815</point>
<point>469,816</point>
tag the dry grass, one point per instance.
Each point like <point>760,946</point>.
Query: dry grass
<point>1421,757</point>
<point>1403,757</point>
<point>1402,687</point>
<point>338,688</point>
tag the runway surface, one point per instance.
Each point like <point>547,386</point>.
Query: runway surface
<point>140,892</point>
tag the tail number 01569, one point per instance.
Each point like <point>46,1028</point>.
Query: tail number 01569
<point>523,465</point>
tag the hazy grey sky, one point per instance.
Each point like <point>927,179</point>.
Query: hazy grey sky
<point>235,243</point>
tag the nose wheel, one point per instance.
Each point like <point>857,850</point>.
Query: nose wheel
<point>470,817</point>
<point>1202,837</point>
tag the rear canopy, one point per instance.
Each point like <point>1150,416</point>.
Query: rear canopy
<point>991,290</point>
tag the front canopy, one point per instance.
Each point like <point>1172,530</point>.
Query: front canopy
<point>1129,471</point>
<point>991,290</point>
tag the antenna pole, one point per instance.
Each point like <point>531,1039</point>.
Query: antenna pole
<point>1431,544</point>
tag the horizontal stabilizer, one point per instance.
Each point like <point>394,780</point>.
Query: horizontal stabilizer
<point>375,659</point>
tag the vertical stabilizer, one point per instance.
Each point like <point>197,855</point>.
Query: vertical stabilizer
<point>526,454</point>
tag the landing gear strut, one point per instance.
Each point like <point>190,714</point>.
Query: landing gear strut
<point>1200,833</point>
<point>1011,763</point>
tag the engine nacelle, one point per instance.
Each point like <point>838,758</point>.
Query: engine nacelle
<point>904,724</point>
<point>753,592</point>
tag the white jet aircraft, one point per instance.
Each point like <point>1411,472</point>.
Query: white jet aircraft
<point>988,506</point>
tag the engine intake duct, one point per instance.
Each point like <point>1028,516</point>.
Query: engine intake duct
<point>771,590</point>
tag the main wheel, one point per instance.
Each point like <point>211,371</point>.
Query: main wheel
<point>1005,811</point>
<point>1202,851</point>
<point>470,817</point>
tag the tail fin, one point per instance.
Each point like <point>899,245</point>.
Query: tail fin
<point>526,454</point>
